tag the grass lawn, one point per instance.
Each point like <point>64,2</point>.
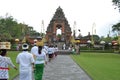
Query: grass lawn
<point>100,66</point>
<point>13,72</point>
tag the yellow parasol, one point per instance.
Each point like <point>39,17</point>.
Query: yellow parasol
<point>77,41</point>
<point>44,40</point>
<point>41,43</point>
<point>73,40</point>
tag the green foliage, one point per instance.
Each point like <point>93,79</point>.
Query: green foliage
<point>115,38</point>
<point>106,39</point>
<point>11,29</point>
<point>116,27</point>
<point>100,66</point>
<point>96,37</point>
<point>59,35</point>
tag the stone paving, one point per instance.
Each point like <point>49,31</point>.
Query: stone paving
<point>63,68</point>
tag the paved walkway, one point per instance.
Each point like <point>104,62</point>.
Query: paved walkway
<point>63,68</point>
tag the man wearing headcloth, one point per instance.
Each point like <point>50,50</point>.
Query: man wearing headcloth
<point>26,63</point>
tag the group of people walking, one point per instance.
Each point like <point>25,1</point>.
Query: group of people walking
<point>29,62</point>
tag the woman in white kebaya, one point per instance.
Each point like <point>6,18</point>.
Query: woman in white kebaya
<point>40,61</point>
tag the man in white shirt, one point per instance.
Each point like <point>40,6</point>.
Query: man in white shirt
<point>26,62</point>
<point>34,49</point>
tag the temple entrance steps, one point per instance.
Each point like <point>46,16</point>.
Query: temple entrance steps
<point>64,52</point>
<point>60,45</point>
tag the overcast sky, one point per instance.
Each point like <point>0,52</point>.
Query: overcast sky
<point>84,12</point>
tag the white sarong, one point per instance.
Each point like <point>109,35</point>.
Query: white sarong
<point>26,74</point>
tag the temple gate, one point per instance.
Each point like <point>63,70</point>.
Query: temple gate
<point>58,22</point>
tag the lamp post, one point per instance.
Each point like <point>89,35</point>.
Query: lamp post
<point>103,44</point>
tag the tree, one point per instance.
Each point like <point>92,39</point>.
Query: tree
<point>116,3</point>
<point>116,28</point>
<point>11,29</point>
<point>106,39</point>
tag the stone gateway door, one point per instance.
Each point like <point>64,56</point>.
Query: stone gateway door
<point>58,22</point>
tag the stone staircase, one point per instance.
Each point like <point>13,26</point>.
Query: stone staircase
<point>60,49</point>
<point>64,52</point>
<point>59,44</point>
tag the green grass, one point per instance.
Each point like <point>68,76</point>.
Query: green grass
<point>100,66</point>
<point>13,72</point>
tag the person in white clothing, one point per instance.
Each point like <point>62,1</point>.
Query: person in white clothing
<point>4,63</point>
<point>26,63</point>
<point>40,60</point>
<point>56,50</point>
<point>45,49</point>
<point>64,46</point>
<point>50,52</point>
<point>34,49</point>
